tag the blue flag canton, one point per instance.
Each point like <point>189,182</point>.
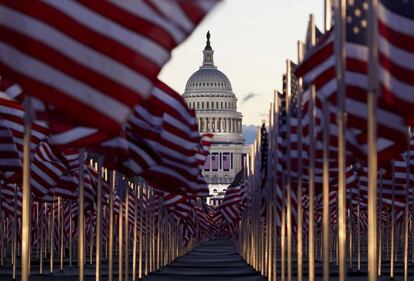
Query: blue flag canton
<point>402,7</point>
<point>357,22</point>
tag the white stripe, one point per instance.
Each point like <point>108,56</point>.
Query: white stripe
<point>72,135</point>
<point>75,89</point>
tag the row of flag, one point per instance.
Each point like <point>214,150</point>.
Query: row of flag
<point>315,188</point>
<point>112,151</point>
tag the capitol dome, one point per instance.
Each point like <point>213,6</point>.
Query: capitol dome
<point>208,91</point>
<point>209,80</point>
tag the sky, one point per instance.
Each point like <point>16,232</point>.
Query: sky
<point>252,40</point>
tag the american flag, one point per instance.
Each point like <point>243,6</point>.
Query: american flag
<point>85,57</point>
<point>318,68</point>
<point>396,54</point>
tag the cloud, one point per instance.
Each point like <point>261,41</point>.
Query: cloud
<point>249,97</point>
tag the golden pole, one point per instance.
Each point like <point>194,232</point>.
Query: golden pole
<point>60,220</point>
<point>380,228</point>
<point>269,241</point>
<point>288,173</point>
<point>127,235</point>
<point>111,227</point>
<point>81,222</point>
<point>146,230</point>
<point>326,221</point>
<point>98,230</point>
<point>141,225</point>
<point>350,236</point>
<point>26,193</point>
<point>42,208</point>
<point>120,240</point>
<point>340,52</point>
<point>359,228</point>
<point>392,258</point>
<point>407,196</point>
<point>2,233</point>
<point>372,141</point>
<point>52,236</point>
<point>70,237</point>
<point>299,184</point>
<point>134,246</point>
<point>160,214</point>
<point>282,247</point>
<point>37,227</point>
<point>14,250</point>
<point>311,191</point>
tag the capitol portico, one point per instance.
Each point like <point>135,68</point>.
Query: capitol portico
<point>208,91</point>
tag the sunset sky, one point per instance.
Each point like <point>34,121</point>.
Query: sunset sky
<point>252,40</point>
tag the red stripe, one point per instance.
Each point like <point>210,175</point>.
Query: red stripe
<point>398,39</point>
<point>400,73</point>
<point>315,60</point>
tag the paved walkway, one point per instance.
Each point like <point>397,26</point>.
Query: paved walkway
<point>214,260</point>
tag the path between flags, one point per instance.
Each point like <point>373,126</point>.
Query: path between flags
<point>214,260</point>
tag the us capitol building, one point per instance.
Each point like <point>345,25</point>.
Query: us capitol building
<point>208,91</point>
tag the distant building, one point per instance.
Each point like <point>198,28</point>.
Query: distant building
<point>209,93</point>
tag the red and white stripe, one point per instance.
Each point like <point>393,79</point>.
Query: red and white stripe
<point>84,57</point>
<point>396,59</point>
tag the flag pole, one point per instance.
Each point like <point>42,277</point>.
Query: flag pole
<point>311,191</point>
<point>81,218</point>
<point>406,211</point>
<point>359,225</point>
<point>141,225</point>
<point>392,253</point>
<point>42,209</point>
<point>14,250</point>
<point>126,225</point>
<point>380,227</point>
<point>52,236</point>
<point>372,140</point>
<point>326,213</point>
<point>120,239</point>
<point>60,219</point>
<point>111,226</point>
<point>276,134</point>
<point>288,172</point>
<point>327,15</point>
<point>300,171</point>
<point>134,242</point>
<point>26,194</point>
<point>340,52</point>
<point>98,230</point>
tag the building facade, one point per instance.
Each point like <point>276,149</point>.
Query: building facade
<point>208,91</point>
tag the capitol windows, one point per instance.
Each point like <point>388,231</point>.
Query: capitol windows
<point>207,104</point>
<point>221,105</point>
<point>212,105</point>
<point>198,105</point>
<point>216,104</point>
<point>202,105</point>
